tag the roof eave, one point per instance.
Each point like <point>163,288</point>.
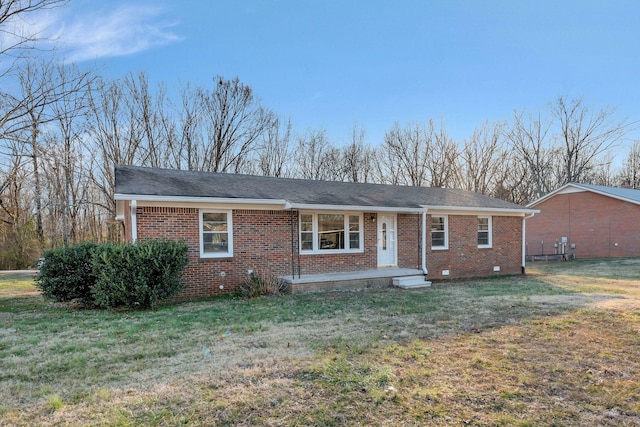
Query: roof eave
<point>614,196</point>
<point>519,211</point>
<point>583,188</point>
<point>286,205</point>
<point>359,208</point>
<point>553,193</point>
<point>195,199</point>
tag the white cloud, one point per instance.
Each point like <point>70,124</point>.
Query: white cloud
<point>126,30</point>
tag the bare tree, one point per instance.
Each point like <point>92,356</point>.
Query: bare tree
<point>234,121</point>
<point>602,173</point>
<point>114,137</point>
<point>420,154</point>
<point>408,149</point>
<point>529,138</point>
<point>386,169</point>
<point>19,244</point>
<point>316,158</point>
<point>189,147</point>
<point>442,157</point>
<point>274,152</point>
<point>584,136</point>
<point>16,35</point>
<point>17,39</point>
<point>38,91</point>
<point>482,157</point>
<point>512,180</point>
<point>42,84</point>
<point>358,158</point>
<point>66,179</point>
<point>630,174</point>
<point>144,112</point>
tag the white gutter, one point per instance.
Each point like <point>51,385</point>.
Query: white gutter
<point>283,204</point>
<point>424,242</point>
<point>524,239</point>
<point>307,206</point>
<point>521,211</point>
<point>134,221</point>
<point>191,199</point>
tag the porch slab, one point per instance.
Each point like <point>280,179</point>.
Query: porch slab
<point>382,277</point>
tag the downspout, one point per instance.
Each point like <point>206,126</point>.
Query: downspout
<point>424,242</point>
<point>524,240</point>
<point>134,221</point>
<point>293,266</point>
<point>298,242</point>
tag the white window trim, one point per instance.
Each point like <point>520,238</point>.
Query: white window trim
<point>229,253</point>
<point>316,250</point>
<point>490,232</point>
<point>446,234</point>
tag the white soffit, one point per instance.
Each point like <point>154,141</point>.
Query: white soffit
<point>571,189</point>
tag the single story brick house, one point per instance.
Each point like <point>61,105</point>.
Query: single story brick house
<point>588,221</point>
<point>318,234</point>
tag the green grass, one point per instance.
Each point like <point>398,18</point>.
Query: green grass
<point>17,293</point>
<point>499,351</point>
<point>614,268</point>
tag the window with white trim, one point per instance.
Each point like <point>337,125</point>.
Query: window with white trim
<point>439,232</point>
<point>306,232</point>
<point>216,234</point>
<point>354,232</point>
<point>330,232</point>
<point>484,231</point>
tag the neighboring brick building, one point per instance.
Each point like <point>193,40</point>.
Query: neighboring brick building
<point>588,221</point>
<point>297,229</point>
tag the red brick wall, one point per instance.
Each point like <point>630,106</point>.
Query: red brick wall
<point>465,259</point>
<point>409,241</point>
<point>333,263</point>
<point>594,223</point>
<point>262,242</point>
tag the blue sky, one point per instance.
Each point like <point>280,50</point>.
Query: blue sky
<point>329,64</point>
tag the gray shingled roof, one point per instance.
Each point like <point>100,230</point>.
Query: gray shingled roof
<point>137,181</point>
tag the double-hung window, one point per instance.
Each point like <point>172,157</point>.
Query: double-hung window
<point>216,234</point>
<point>484,231</point>
<point>330,232</point>
<point>439,234</point>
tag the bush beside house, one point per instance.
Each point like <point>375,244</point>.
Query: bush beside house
<point>66,273</point>
<point>114,275</point>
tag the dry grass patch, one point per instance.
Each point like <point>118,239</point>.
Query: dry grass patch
<point>553,348</point>
<point>572,369</point>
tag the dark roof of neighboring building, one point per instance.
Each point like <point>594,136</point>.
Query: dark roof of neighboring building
<point>626,194</point>
<point>143,181</point>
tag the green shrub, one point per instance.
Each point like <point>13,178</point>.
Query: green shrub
<point>66,273</point>
<point>262,284</point>
<point>138,275</point>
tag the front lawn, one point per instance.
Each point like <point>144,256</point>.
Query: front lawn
<point>556,347</point>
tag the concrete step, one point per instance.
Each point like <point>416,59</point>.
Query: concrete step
<point>411,282</point>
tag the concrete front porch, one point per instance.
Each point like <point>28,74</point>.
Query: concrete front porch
<point>379,278</point>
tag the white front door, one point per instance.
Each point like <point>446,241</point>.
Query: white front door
<point>387,236</point>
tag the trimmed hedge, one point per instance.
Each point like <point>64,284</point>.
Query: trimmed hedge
<point>139,275</point>
<point>66,273</point>
<point>114,275</point>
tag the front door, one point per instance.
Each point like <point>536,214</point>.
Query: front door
<point>387,235</point>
